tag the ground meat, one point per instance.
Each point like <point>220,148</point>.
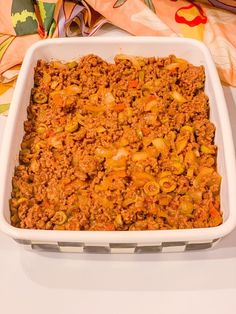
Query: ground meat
<point>121,146</point>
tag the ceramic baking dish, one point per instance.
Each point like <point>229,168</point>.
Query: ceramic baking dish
<point>119,241</point>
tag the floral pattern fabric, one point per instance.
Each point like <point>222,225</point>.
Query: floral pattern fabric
<point>23,22</point>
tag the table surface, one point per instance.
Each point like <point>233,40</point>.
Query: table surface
<point>193,282</point>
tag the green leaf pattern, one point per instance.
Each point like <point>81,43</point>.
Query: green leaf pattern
<point>24,19</point>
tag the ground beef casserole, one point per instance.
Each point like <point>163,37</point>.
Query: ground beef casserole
<point>121,146</point>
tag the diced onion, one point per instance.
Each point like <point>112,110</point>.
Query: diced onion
<point>150,105</point>
<point>207,150</point>
<point>109,99</point>
<point>178,97</point>
<point>181,143</point>
<point>100,129</point>
<point>172,66</point>
<point>140,156</point>
<point>73,89</point>
<point>132,59</point>
<point>104,152</point>
<point>160,144</point>
<point>121,152</point>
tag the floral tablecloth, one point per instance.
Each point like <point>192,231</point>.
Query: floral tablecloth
<point>23,22</point>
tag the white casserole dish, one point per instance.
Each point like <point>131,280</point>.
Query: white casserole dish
<point>122,241</point>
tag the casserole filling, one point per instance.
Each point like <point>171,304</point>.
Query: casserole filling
<point>117,146</point>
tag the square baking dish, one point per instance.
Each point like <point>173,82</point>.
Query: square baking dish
<point>119,241</point>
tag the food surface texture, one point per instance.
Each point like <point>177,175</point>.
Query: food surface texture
<point>117,146</point>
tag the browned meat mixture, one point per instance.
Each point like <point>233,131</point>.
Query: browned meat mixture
<point>123,146</point>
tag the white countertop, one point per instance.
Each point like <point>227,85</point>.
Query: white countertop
<point>179,283</point>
